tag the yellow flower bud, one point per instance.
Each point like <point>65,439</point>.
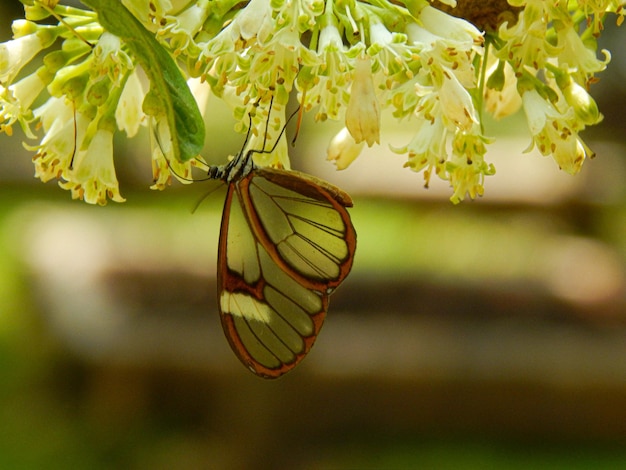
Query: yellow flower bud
<point>343,149</point>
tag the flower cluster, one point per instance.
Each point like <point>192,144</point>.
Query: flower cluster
<point>346,60</point>
<point>553,64</point>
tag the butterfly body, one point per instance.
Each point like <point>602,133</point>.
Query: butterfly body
<point>286,242</point>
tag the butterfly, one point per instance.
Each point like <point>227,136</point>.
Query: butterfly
<point>286,242</point>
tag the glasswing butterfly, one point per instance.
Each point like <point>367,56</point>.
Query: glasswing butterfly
<point>286,242</point>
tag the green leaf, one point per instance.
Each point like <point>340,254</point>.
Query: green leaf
<point>167,83</point>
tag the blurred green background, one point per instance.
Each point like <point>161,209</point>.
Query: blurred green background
<point>486,335</point>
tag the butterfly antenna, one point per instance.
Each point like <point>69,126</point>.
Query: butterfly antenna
<point>75,137</point>
<point>245,142</point>
<point>267,125</point>
<point>249,153</point>
<point>282,131</point>
<point>299,110</point>
<point>299,121</point>
<point>203,198</point>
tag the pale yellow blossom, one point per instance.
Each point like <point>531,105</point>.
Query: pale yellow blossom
<point>363,113</point>
<point>343,149</point>
<point>129,112</point>
<point>92,177</point>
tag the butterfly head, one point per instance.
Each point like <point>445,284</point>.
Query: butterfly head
<point>236,169</point>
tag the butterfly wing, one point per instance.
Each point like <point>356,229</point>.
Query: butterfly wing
<point>286,242</point>
<point>303,223</point>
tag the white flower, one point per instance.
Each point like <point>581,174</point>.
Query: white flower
<point>467,168</point>
<point>330,39</point>
<point>164,165</point>
<point>507,101</point>
<point>553,132</point>
<point>456,102</point>
<point>577,56</point>
<point>448,27</point>
<point>395,60</point>
<point>16,53</point>
<point>280,58</point>
<point>16,101</point>
<point>465,178</point>
<point>150,11</point>
<point>343,150</point>
<point>363,113</point>
<point>526,42</point>
<point>110,58</point>
<point>182,28</point>
<point>427,149</point>
<point>326,82</point>
<point>584,105</point>
<point>253,21</point>
<point>129,114</point>
<point>428,145</point>
<point>53,110</point>
<point>63,135</point>
<point>92,177</point>
<point>448,71</point>
<point>380,36</point>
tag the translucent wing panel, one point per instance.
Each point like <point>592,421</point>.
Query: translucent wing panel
<point>240,245</point>
<point>308,300</point>
<point>263,344</point>
<point>309,230</point>
<point>254,348</point>
<point>275,330</point>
